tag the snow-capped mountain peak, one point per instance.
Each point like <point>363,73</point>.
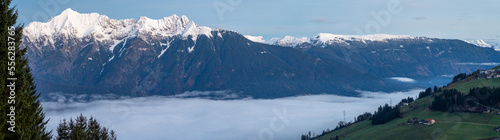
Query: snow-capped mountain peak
<point>485,44</point>
<point>290,41</point>
<point>479,43</point>
<point>68,22</point>
<point>194,30</point>
<point>72,24</point>
<point>168,26</point>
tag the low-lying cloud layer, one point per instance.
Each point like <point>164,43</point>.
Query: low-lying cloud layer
<point>194,118</point>
<point>481,64</point>
<point>403,79</point>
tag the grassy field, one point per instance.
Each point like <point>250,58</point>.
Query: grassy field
<point>459,83</point>
<point>448,126</point>
<point>465,87</point>
<point>497,67</point>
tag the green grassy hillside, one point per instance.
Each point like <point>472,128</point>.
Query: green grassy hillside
<point>497,67</point>
<point>448,125</point>
<point>465,87</point>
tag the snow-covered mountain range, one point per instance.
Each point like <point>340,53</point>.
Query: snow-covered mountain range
<point>327,38</point>
<point>324,39</point>
<point>93,54</point>
<point>112,31</point>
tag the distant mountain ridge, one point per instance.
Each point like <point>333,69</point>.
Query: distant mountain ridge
<point>290,41</point>
<point>90,53</point>
<point>395,55</point>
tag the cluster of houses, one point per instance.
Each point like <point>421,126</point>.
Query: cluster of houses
<point>415,120</point>
<point>488,74</point>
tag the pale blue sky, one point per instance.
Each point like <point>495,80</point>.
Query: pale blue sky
<point>457,19</point>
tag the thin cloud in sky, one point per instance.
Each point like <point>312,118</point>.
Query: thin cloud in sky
<point>193,118</point>
<point>323,20</point>
<point>421,18</point>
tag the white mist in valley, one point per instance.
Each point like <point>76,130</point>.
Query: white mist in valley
<point>403,79</point>
<point>159,117</point>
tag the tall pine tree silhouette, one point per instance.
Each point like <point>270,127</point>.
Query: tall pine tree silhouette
<point>29,119</point>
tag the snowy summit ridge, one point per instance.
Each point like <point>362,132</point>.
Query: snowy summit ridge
<point>323,39</point>
<point>484,44</point>
<point>326,38</point>
<point>73,24</point>
<point>479,43</point>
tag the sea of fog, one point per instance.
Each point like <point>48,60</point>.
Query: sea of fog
<point>160,117</point>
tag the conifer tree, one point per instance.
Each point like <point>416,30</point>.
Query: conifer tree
<point>83,129</point>
<point>63,130</point>
<point>29,120</point>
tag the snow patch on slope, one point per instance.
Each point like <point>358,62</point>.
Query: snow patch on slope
<point>116,42</point>
<point>165,49</point>
<point>190,49</point>
<point>259,39</point>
